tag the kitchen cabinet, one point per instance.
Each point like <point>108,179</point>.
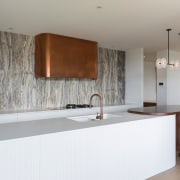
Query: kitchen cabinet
<point>65,57</point>
<point>147,104</point>
<point>61,149</point>
<point>161,111</point>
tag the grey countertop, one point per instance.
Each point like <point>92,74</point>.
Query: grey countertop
<point>53,125</point>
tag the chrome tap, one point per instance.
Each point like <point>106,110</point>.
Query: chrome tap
<point>99,116</point>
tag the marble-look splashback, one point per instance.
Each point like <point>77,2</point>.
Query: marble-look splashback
<point>20,90</point>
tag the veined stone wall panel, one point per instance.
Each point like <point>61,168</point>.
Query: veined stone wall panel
<point>20,90</point>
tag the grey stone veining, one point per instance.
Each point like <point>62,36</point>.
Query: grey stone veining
<point>20,90</point>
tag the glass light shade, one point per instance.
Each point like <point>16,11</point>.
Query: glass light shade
<point>176,64</point>
<point>161,63</point>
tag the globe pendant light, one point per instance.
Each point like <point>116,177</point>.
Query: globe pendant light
<point>162,63</point>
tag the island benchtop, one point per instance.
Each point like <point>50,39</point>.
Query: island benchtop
<point>53,125</point>
<point>156,110</point>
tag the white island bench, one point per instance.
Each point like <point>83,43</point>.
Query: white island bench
<point>130,147</point>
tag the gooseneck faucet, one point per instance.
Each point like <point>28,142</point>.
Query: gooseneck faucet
<point>99,116</point>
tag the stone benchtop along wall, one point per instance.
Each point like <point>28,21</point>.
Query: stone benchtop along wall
<point>20,90</point>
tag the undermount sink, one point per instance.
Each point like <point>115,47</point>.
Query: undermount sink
<point>88,118</point>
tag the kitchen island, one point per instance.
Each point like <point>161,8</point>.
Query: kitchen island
<point>161,111</point>
<point>126,146</point>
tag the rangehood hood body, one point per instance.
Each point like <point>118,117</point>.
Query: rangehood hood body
<point>65,57</point>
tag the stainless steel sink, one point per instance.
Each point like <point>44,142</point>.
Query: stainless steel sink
<point>88,118</point>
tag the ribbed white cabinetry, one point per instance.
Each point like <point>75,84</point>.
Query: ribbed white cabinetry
<point>129,151</point>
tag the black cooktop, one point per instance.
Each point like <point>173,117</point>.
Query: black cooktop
<point>74,106</point>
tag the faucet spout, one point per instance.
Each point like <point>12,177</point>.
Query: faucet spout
<point>99,116</point>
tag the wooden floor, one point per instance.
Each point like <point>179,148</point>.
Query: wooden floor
<point>171,174</point>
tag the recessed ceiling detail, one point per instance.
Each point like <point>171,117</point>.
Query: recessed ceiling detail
<point>99,7</point>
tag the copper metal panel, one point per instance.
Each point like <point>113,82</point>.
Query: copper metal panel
<point>61,56</point>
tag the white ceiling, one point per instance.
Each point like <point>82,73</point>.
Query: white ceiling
<point>119,24</point>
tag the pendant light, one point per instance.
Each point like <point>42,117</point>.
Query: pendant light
<point>162,63</point>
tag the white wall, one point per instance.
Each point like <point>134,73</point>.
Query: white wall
<point>173,81</point>
<point>134,76</point>
<point>161,87</point>
<point>169,93</point>
<point>149,81</point>
<point>162,78</point>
